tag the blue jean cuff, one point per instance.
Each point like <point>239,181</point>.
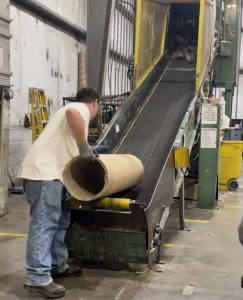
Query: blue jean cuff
<point>41,284</point>
<point>59,270</point>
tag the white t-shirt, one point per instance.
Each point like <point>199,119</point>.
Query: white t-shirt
<point>54,148</point>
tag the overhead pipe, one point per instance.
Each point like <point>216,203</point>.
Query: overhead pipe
<point>107,175</point>
<point>46,15</point>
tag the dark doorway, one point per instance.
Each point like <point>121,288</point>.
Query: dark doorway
<point>183,26</point>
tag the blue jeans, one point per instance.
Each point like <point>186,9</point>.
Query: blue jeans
<point>50,218</point>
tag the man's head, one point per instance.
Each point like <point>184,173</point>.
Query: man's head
<point>91,98</point>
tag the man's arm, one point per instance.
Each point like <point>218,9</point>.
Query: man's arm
<point>76,123</point>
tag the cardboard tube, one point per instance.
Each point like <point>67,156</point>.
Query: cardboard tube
<point>82,77</point>
<point>108,174</point>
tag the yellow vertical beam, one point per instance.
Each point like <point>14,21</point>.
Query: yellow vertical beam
<point>164,31</point>
<point>137,37</point>
<point>199,44</point>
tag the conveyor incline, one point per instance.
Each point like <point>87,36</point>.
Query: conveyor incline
<point>153,133</point>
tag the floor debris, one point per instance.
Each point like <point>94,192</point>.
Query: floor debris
<point>188,290</point>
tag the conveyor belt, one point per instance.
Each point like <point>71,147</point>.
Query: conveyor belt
<point>153,132</point>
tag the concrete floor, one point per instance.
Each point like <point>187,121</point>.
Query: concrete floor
<point>204,261</point>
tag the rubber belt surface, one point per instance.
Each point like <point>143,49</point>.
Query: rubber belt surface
<point>153,132</point>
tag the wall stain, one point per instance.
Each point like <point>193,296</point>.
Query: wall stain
<point>68,77</point>
<point>56,74</point>
<point>47,54</point>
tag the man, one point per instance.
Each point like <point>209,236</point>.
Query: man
<point>64,137</point>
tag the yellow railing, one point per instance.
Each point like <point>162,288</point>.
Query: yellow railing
<point>205,40</point>
<point>151,27</point>
<point>151,23</point>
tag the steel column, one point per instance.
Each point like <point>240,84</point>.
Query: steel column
<point>226,62</point>
<point>99,16</point>
<point>4,104</point>
<point>209,156</point>
<point>182,206</point>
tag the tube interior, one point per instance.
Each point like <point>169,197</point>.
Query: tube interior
<point>89,175</point>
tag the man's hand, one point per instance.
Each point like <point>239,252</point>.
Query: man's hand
<point>86,152</point>
<point>100,150</point>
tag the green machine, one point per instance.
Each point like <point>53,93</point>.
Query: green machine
<point>224,76</point>
<point>227,58</point>
<point>162,110</point>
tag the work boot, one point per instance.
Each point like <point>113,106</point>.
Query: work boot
<point>71,271</point>
<point>50,291</point>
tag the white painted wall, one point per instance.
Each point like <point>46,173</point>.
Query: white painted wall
<point>237,111</point>
<point>239,101</point>
<point>41,57</point>
<point>72,10</point>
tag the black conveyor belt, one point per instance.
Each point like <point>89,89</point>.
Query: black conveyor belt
<point>153,132</point>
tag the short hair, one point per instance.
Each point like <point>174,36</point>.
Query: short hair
<point>87,95</point>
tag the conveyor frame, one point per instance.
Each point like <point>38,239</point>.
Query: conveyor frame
<point>145,216</point>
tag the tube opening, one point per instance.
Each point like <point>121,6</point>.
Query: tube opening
<point>89,175</point>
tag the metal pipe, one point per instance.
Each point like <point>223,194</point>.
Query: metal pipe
<point>122,7</point>
<point>4,152</point>
<point>120,51</point>
<point>46,15</point>
<point>182,206</point>
<point>112,47</point>
<point>116,49</point>
<point>127,54</point>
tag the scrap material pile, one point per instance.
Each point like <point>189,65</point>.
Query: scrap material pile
<point>184,48</point>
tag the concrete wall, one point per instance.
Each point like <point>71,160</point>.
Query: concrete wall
<point>41,57</point>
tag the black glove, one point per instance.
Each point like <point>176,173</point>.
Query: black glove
<point>99,150</point>
<point>86,152</point>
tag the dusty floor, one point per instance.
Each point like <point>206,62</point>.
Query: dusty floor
<point>202,262</point>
